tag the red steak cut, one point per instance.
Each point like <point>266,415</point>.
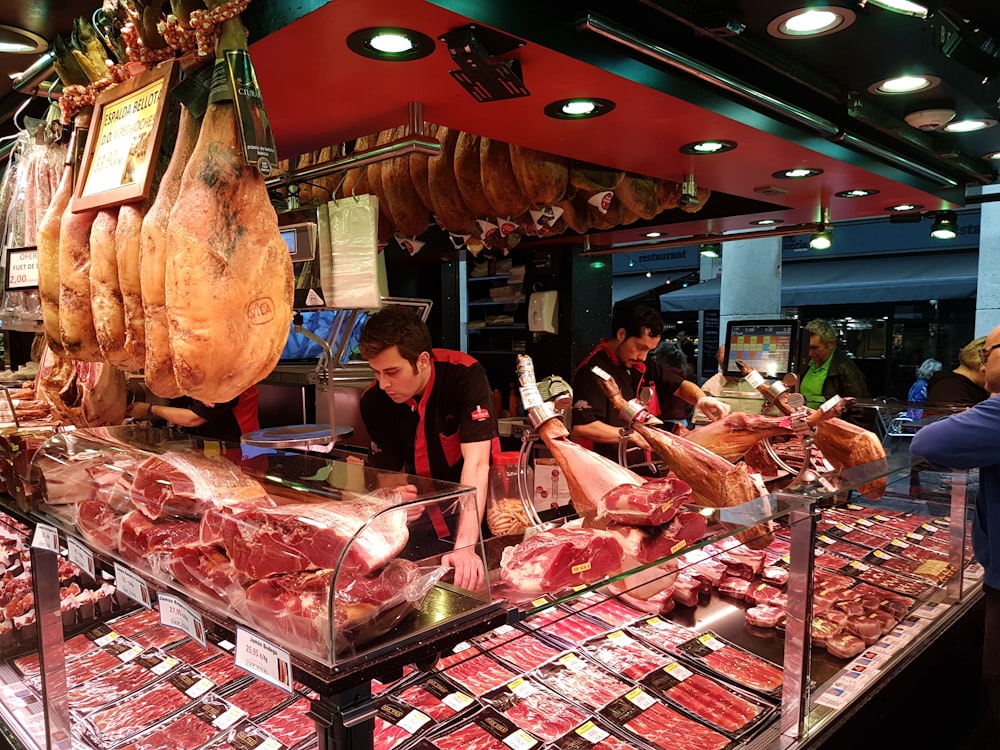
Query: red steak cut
<point>297,537</point>
<point>187,484</point>
<point>558,558</point>
<point>143,541</point>
<point>650,504</point>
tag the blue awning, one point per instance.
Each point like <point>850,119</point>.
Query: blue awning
<point>897,278</point>
<point>628,287</point>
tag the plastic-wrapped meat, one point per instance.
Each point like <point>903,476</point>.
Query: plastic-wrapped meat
<point>850,606</point>
<point>480,674</point>
<point>663,727</point>
<point>686,590</point>
<point>711,570</point>
<point>845,646</point>
<point>894,582</point>
<point>823,579</point>
<point>836,616</point>
<point>570,628</point>
<point>258,698</point>
<point>74,648</point>
<point>705,698</point>
<point>764,615</point>
<point>487,730</point>
<point>192,652</point>
<point>936,571</point>
<point>143,542</point>
<point>887,621</point>
<point>848,550</point>
<point>136,622</point>
<point>593,734</point>
<point>396,723</point>
<point>535,709</point>
<point>158,637</point>
<point>497,636</point>
<point>613,612</point>
<point>823,629</point>
<point>762,593</point>
<point>98,523</point>
<point>436,697</point>
<point>865,539</point>
<point>291,725</point>
<point>129,716</point>
<point>831,562</point>
<point>916,552</point>
<point>580,680</point>
<point>222,670</point>
<point>734,663</point>
<point>664,634</point>
<point>866,627</point>
<point>559,558</point>
<point>735,587</point>
<point>190,729</point>
<point>88,667</point>
<point>774,575</point>
<point>895,604</point>
<point>625,655</point>
<point>743,562</point>
<point>525,653</point>
<point>243,736</point>
<point>109,686</point>
<point>460,652</point>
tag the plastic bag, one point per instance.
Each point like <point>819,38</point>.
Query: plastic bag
<point>354,246</point>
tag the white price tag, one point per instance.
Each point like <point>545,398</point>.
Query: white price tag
<point>201,687</point>
<point>263,659</point>
<point>131,653</point>
<point>164,666</point>
<point>709,640</point>
<point>573,663</point>
<point>177,614</point>
<point>413,721</point>
<point>457,701</point>
<point>22,268</point>
<point>80,556</point>
<point>678,672</point>
<point>641,698</point>
<point>46,537</point>
<point>520,740</point>
<point>754,379</point>
<point>228,717</point>
<point>132,586</point>
<point>521,688</point>
<point>592,733</point>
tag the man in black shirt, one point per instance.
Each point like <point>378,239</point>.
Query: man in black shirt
<point>429,412</point>
<point>637,330</point>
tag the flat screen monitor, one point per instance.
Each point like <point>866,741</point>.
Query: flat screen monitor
<point>769,346</point>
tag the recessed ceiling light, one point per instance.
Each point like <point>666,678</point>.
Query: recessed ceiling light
<point>652,235</point>
<point>581,108</point>
<point>904,84</point>
<point>767,222</point>
<point>905,7</point>
<point>699,148</point>
<point>797,173</point>
<point>969,126</point>
<point>389,43</point>
<point>811,22</point>
<point>20,41</point>
<point>858,193</point>
<point>900,207</point>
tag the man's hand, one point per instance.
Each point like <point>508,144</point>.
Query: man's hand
<point>636,439</point>
<point>712,408</point>
<point>468,567</point>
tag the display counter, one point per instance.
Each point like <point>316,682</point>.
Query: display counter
<point>211,532</point>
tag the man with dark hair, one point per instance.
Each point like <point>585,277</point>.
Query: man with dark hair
<point>428,412</point>
<point>637,330</point>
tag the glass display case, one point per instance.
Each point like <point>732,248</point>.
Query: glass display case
<point>348,560</point>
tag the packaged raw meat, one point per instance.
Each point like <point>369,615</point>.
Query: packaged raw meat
<point>190,728</point>
<point>559,558</point>
<point>571,629</point>
<point>396,723</point>
<point>845,646</point>
<point>823,629</point>
<point>663,634</point>
<point>485,730</point>
<point>137,622</point>
<point>131,715</point>
<point>193,653</point>
<point>734,587</point>
<point>764,615</point>
<point>109,686</point>
<point>437,697</point>
<point>593,734</point>
<point>222,671</point>
<point>895,582</point>
<point>722,707</point>
<point>534,708</point>
<point>259,698</point>
<point>652,722</point>
<point>497,636</point>
<point>582,680</point>
<point>774,575</point>
<point>686,590</point>
<point>733,663</point>
<point>612,612</point>
<point>159,637</point>
<point>479,674</point>
<point>244,736</point>
<point>524,653</point>
<point>292,724</point>
<point>762,593</point>
<point>459,652</point>
<point>866,627</point>
<point>625,655</point>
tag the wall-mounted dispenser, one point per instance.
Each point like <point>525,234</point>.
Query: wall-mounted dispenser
<point>543,309</point>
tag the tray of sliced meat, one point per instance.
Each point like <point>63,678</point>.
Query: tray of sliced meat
<point>397,723</point>
<point>132,714</point>
<point>292,725</point>
<point>535,708</point>
<point>484,730</point>
<point>480,674</point>
<point>627,656</point>
<point>733,663</point>
<point>244,736</point>
<point>661,633</point>
<point>582,680</point>
<point>437,697</point>
<point>654,723</point>
<point>524,653</point>
<point>567,629</point>
<point>593,734</point>
<point>190,728</point>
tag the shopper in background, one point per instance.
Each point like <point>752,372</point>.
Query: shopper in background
<point>918,391</point>
<point>673,361</point>
<point>429,412</point>
<point>636,332</point>
<point>963,385</point>
<point>966,441</point>
<point>832,373</point>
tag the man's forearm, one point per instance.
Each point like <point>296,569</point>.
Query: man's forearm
<point>598,432</point>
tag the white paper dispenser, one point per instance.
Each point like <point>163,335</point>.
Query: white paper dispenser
<point>543,308</point>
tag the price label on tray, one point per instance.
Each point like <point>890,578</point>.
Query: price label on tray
<point>710,641</point>
<point>520,740</point>
<point>640,698</point>
<point>573,663</point>
<point>177,614</point>
<point>46,537</point>
<point>80,556</point>
<point>457,701</point>
<point>132,586</point>
<point>592,733</point>
<point>263,659</point>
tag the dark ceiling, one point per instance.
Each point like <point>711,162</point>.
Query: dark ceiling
<point>678,71</point>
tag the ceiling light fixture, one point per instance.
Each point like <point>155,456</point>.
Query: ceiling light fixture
<point>700,148</point>
<point>856,193</point>
<point>823,239</point>
<point>811,22</point>
<point>20,41</point>
<point>970,125</point>
<point>579,108</point>
<point>992,156</point>
<point>767,222</point>
<point>945,226</point>
<point>901,207</point>
<point>905,7</point>
<point>713,250</point>
<point>797,173</point>
<point>653,235</point>
<point>904,84</point>
<point>390,43</point>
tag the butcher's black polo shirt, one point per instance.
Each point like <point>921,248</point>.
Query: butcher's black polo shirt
<point>424,436</point>
<point>591,405</point>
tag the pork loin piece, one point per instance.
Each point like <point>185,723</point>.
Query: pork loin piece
<point>650,504</point>
<point>299,537</point>
<point>153,252</point>
<point>558,558</point>
<point>189,484</point>
<point>228,281</point>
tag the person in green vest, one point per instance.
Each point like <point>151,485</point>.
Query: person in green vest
<point>830,371</point>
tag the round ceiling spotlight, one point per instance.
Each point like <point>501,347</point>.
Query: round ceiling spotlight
<point>945,226</point>
<point>20,41</point>
<point>700,148</point>
<point>969,126</point>
<point>580,108</point>
<point>904,84</point>
<point>797,173</point>
<point>811,22</point>
<point>390,43</point>
<point>767,222</point>
<point>653,235</point>
<point>857,193</point>
<point>822,240</point>
<point>903,207</point>
<point>905,7</point>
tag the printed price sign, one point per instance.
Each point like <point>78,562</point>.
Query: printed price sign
<point>22,268</point>
<point>80,556</point>
<point>263,659</point>
<point>177,614</point>
<point>46,537</point>
<point>132,586</point>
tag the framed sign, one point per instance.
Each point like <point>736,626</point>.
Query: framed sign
<point>124,140</point>
<point>22,268</point>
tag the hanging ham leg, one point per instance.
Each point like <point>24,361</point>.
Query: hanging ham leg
<point>76,318</point>
<point>153,251</point>
<point>48,252</point>
<point>105,291</point>
<point>228,282</point>
<point>127,237</point>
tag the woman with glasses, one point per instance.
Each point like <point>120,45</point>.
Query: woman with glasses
<point>964,384</point>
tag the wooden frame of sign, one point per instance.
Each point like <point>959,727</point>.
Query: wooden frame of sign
<point>124,140</point>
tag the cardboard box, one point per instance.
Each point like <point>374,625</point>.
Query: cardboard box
<point>551,489</point>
